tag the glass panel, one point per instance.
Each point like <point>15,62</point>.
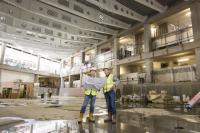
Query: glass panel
<point>20,59</point>
<point>49,66</point>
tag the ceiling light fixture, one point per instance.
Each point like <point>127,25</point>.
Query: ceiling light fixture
<point>188,14</point>
<point>183,60</point>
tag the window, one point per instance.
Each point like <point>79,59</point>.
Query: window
<point>49,66</point>
<point>20,59</point>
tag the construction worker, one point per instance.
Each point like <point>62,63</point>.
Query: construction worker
<point>90,96</point>
<point>109,92</point>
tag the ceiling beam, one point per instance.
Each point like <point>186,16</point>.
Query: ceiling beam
<point>43,41</point>
<point>117,8</point>
<point>86,12</point>
<point>153,4</point>
<point>37,22</point>
<point>18,27</point>
<point>60,15</point>
<point>29,43</point>
<point>23,46</point>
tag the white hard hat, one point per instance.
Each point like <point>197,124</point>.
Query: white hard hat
<point>107,66</point>
<point>93,69</point>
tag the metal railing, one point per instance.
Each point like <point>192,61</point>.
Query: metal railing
<point>180,36</point>
<point>100,61</point>
<point>137,50</point>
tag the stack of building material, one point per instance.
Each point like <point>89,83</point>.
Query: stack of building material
<point>162,98</point>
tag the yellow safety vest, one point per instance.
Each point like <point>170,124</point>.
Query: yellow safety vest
<point>91,91</point>
<point>109,84</point>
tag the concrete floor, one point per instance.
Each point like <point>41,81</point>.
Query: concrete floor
<point>60,116</point>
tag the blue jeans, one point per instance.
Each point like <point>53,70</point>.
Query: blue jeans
<point>110,101</point>
<point>87,99</point>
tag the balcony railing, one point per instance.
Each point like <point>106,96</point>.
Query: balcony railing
<point>133,78</point>
<point>101,61</point>
<point>137,50</point>
<point>180,36</point>
<point>167,75</point>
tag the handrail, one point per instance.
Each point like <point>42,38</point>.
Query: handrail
<point>173,32</point>
<point>179,36</point>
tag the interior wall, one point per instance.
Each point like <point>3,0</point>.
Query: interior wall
<point>130,69</point>
<point>124,70</point>
<point>156,66</point>
<point>12,76</point>
<point>7,78</point>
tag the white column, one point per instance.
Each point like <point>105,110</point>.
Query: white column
<point>36,85</point>
<point>61,83</point>
<point>38,65</point>
<point>2,53</point>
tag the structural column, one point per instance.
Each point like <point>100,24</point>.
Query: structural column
<point>70,76</point>
<point>116,68</point>
<point>61,83</point>
<point>81,71</point>
<point>147,38</point>
<point>149,70</point>
<point>83,57</point>
<point>96,50</point>
<point>195,17</point>
<point>36,85</point>
<point>38,65</point>
<point>197,52</point>
<point>147,49</point>
<point>2,53</point>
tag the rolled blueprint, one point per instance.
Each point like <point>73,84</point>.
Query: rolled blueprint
<point>93,82</point>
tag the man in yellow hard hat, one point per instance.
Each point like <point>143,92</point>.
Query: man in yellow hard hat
<point>109,92</point>
<point>90,96</point>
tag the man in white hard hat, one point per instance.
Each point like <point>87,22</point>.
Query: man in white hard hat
<point>90,96</point>
<point>109,91</point>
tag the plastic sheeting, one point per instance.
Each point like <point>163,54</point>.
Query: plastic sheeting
<point>177,74</point>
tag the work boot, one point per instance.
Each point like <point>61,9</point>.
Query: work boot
<point>91,118</point>
<point>81,118</point>
<point>114,119</point>
<point>109,119</point>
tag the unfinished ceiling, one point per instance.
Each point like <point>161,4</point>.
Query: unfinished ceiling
<point>63,27</point>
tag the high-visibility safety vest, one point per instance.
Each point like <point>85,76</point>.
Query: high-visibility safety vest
<point>91,91</point>
<point>109,84</point>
